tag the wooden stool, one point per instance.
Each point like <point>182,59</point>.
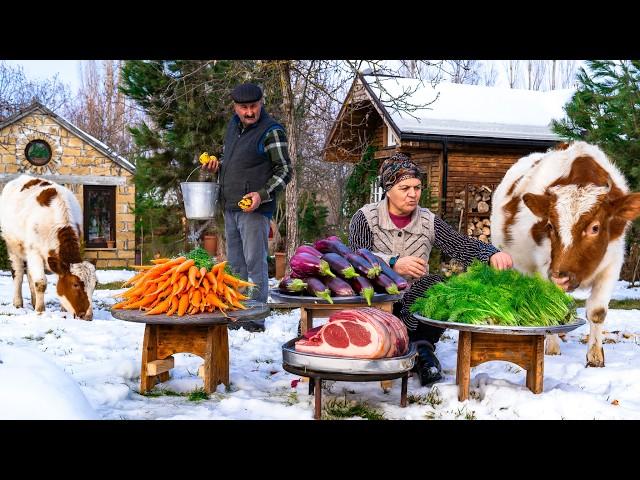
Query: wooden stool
<point>475,348</point>
<point>203,334</point>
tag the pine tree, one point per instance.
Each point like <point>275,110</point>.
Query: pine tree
<point>605,110</point>
<point>187,107</point>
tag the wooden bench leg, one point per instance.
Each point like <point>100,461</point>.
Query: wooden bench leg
<point>318,400</point>
<point>535,372</point>
<point>216,358</point>
<point>403,390</point>
<point>463,374</point>
<point>149,354</point>
<point>312,383</point>
<point>306,319</point>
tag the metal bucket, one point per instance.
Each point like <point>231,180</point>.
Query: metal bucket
<point>200,199</point>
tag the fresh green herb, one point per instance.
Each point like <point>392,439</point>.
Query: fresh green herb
<point>201,257</point>
<point>486,296</point>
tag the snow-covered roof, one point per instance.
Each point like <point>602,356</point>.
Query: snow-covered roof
<point>470,110</point>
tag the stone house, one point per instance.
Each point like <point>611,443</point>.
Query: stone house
<point>38,142</point>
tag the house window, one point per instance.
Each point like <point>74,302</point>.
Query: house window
<point>376,191</point>
<point>38,152</point>
<point>391,139</point>
<point>99,215</point>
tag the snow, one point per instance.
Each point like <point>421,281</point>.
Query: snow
<point>472,110</point>
<point>92,370</point>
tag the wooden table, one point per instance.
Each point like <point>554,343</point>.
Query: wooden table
<point>478,344</point>
<point>203,334</point>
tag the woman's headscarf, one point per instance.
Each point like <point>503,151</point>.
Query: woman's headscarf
<point>397,168</point>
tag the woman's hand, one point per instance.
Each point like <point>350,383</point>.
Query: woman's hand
<point>414,267</point>
<point>501,261</point>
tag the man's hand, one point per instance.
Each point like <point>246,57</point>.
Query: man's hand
<point>414,267</point>
<point>501,261</point>
<point>255,201</point>
<point>212,165</point>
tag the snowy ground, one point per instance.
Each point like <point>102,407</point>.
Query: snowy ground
<point>57,367</point>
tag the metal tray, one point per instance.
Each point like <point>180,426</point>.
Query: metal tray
<point>503,329</point>
<point>325,363</point>
<point>377,298</point>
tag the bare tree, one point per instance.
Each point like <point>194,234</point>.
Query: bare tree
<point>100,109</point>
<point>567,70</point>
<point>513,72</point>
<point>463,71</point>
<point>536,74</point>
<point>488,74</point>
<point>17,92</point>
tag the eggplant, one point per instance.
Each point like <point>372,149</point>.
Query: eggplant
<point>290,285</point>
<point>316,288</point>
<point>339,287</point>
<point>334,246</point>
<point>393,275</point>
<point>363,266</point>
<point>382,284</point>
<point>308,249</point>
<point>369,256</point>
<point>340,265</point>
<point>306,265</point>
<point>363,287</point>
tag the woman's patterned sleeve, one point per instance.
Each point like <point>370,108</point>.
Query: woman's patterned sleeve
<point>460,247</point>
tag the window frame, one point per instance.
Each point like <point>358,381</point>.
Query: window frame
<point>46,144</point>
<point>87,211</point>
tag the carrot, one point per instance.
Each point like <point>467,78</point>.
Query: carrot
<point>174,306</point>
<point>182,283</point>
<point>203,272</point>
<point>218,266</point>
<point>196,298</point>
<point>141,267</point>
<point>140,303</point>
<point>193,271</point>
<point>213,283</point>
<point>205,284</point>
<point>183,267</point>
<point>158,261</point>
<point>133,279</point>
<point>236,282</point>
<point>183,303</point>
<point>160,308</point>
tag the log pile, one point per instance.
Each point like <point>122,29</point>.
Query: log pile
<point>476,211</point>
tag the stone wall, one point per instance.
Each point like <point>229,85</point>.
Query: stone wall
<point>74,163</point>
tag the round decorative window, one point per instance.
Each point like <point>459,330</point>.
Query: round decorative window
<point>38,152</point>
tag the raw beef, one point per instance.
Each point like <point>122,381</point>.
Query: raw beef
<point>362,333</point>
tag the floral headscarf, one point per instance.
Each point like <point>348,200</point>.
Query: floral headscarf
<point>397,168</point>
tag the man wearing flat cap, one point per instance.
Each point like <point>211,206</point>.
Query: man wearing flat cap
<point>255,165</point>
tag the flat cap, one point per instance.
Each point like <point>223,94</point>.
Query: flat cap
<point>246,93</point>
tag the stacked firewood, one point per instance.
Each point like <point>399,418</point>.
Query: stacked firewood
<point>476,211</point>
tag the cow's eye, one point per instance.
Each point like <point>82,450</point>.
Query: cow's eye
<point>595,229</point>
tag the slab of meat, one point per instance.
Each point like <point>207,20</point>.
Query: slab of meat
<point>358,333</point>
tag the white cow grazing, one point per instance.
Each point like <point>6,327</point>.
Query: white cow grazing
<point>41,224</point>
<point>564,213</point>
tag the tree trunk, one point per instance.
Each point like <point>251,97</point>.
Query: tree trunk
<point>284,69</point>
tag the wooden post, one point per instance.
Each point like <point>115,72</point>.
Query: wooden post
<point>535,372</point>
<point>318,400</point>
<point>463,374</point>
<point>149,354</point>
<point>216,358</point>
<point>403,390</point>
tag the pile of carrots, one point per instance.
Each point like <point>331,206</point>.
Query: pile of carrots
<point>179,286</point>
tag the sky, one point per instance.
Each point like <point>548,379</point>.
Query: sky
<point>68,70</point>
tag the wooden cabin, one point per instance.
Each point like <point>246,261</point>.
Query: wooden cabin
<point>463,137</point>
<point>38,142</point>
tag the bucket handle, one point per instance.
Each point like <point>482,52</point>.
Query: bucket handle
<point>199,166</point>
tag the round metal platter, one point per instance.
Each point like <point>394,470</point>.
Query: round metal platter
<point>503,329</point>
<point>254,311</point>
<point>377,298</point>
<point>324,363</point>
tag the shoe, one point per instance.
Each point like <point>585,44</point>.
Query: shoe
<point>428,365</point>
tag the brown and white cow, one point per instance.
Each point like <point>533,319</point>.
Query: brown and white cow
<point>40,222</point>
<point>564,214</point>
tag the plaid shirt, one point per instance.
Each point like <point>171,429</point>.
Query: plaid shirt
<point>276,149</point>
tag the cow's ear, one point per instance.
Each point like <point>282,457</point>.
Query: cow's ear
<point>538,204</point>
<point>627,207</point>
<point>57,266</point>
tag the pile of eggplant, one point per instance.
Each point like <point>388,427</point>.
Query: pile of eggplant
<point>331,269</point>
